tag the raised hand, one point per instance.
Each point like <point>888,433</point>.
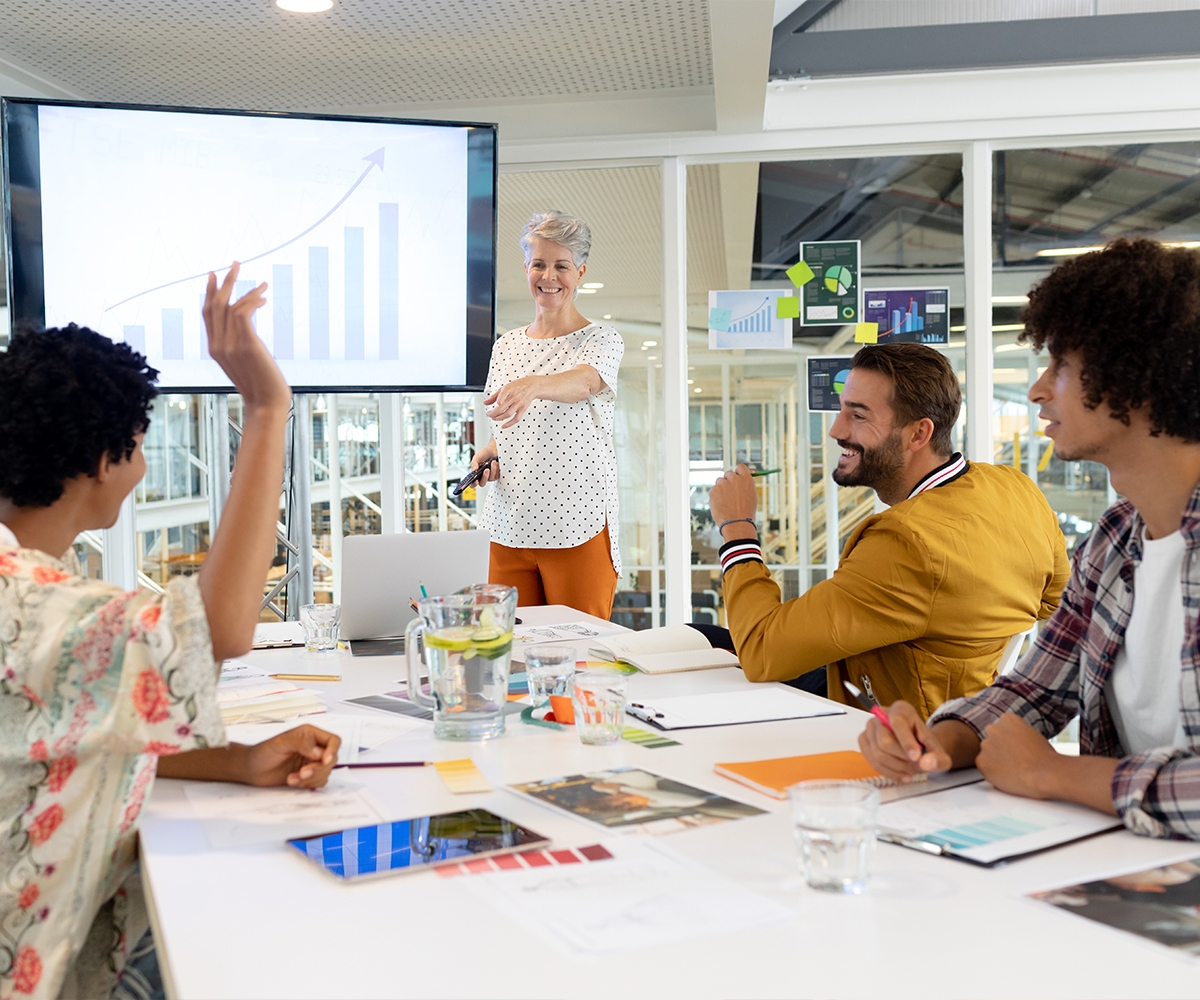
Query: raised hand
<point>235,346</point>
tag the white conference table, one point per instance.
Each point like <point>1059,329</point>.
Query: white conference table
<point>261,922</point>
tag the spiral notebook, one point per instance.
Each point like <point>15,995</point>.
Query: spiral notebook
<point>774,777</point>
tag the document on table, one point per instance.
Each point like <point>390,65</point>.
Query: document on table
<point>358,733</point>
<point>731,708</point>
<point>268,635</point>
<point>241,816</point>
<point>980,824</point>
<point>646,896</point>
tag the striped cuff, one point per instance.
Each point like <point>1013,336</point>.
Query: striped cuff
<point>738,551</point>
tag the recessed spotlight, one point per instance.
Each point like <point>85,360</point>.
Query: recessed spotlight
<point>587,291</point>
<point>304,6</point>
<point>649,343</point>
<point>593,284</point>
<point>691,380</point>
<point>653,357</point>
<point>697,389</point>
<point>608,315</point>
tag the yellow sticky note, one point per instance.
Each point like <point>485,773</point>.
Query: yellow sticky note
<point>866,333</point>
<point>800,273</point>
<point>787,307</point>
<point>462,777</point>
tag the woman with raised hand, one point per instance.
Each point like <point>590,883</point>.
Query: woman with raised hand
<point>99,689</point>
<point>551,389</point>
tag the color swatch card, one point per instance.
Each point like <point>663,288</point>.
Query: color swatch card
<point>546,858</point>
<point>462,777</point>
<point>980,824</point>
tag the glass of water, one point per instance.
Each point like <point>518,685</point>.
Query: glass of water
<point>599,700</point>
<point>549,670</point>
<point>320,622</point>
<point>834,824</point>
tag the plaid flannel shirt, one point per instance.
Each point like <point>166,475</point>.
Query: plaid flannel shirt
<point>1156,792</point>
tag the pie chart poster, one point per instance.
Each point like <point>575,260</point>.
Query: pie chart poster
<point>831,296</point>
<point>826,380</point>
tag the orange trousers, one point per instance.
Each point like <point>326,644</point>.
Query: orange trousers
<point>581,577</point>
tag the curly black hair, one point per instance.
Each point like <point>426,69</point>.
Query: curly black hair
<point>1132,311</point>
<point>68,397</point>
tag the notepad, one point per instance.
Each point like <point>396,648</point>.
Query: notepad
<point>775,776</point>
<point>462,777</point>
<point>730,708</point>
<point>669,650</point>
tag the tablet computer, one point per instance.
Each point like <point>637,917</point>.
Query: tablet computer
<point>415,844</point>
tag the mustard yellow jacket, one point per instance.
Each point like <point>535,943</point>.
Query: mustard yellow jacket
<point>925,597</point>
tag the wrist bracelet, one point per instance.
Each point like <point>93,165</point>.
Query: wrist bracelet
<point>735,520</point>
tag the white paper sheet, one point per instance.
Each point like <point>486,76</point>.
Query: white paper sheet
<point>357,732</point>
<point>240,816</point>
<point>646,896</point>
<point>729,708</point>
<point>580,631</point>
<point>268,634</point>
<point>240,670</point>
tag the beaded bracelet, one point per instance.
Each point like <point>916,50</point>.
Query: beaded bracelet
<point>735,520</point>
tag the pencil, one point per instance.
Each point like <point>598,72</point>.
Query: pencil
<point>307,677</point>
<point>389,763</point>
<point>765,472</point>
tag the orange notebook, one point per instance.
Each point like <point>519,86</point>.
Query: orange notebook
<point>774,777</point>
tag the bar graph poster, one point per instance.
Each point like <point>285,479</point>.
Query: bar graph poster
<point>831,296</point>
<point>827,376</point>
<point>751,320</point>
<point>909,315</point>
<point>359,229</point>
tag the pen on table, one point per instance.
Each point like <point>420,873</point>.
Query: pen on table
<point>765,472</point>
<point>307,677</point>
<point>388,763</point>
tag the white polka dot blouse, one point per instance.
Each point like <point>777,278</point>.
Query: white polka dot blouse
<point>558,466</point>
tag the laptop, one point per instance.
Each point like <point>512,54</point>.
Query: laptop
<point>382,573</point>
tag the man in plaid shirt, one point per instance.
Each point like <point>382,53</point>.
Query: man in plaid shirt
<point>1123,649</point>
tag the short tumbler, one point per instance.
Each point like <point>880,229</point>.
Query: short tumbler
<point>320,622</point>
<point>549,670</point>
<point>834,824</point>
<point>599,700</point>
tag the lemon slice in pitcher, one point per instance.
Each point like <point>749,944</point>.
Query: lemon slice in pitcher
<point>455,638</point>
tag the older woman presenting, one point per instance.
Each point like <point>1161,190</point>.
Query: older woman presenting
<point>552,508</point>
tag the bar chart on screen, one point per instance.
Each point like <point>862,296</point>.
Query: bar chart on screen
<point>358,229</point>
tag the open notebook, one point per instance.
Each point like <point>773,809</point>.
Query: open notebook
<point>669,650</point>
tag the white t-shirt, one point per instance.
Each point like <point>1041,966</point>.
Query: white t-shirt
<point>558,466</point>
<point>1143,691</point>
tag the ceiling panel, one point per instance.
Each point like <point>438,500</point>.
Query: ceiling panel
<point>248,53</point>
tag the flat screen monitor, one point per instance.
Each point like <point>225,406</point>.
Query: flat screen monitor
<point>376,237</point>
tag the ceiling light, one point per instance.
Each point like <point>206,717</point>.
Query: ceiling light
<point>649,343</point>
<point>698,389</point>
<point>304,6</point>
<point>1076,251</point>
<point>587,291</point>
<point>691,380</point>
<point>608,315</point>
<point>1010,347</point>
<point>653,357</point>
<point>593,284</point>
<point>1009,300</point>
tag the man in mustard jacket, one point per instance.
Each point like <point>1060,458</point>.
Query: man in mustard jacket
<point>928,592</point>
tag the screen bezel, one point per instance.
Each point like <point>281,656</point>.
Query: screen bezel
<point>538,843</point>
<point>24,262</point>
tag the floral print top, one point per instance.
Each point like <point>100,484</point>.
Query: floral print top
<point>95,684</point>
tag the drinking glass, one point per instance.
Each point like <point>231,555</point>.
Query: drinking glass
<point>320,623</point>
<point>467,640</point>
<point>549,670</point>
<point>599,700</point>
<point>834,824</point>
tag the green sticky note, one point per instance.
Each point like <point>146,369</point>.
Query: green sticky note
<point>719,319</point>
<point>801,274</point>
<point>866,333</point>
<point>787,307</point>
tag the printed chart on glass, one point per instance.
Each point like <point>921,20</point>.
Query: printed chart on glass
<point>759,319</point>
<point>908,315</point>
<point>830,279</point>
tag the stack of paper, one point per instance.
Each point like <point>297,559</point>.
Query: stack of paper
<point>246,694</point>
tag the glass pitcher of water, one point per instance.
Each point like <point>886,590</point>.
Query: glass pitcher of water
<point>467,640</point>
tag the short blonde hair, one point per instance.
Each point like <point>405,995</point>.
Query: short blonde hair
<point>560,228</point>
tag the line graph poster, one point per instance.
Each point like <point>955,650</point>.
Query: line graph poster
<point>359,229</point>
<point>909,315</point>
<point>750,320</point>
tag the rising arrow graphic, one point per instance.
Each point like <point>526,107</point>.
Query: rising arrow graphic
<point>375,160</point>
